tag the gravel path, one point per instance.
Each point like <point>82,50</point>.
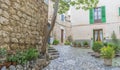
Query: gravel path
<point>76,59</point>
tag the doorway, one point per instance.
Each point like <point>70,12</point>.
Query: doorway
<point>98,35</point>
<point>62,34</point>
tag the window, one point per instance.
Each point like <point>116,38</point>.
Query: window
<point>119,11</point>
<point>97,14</point>
<point>62,17</point>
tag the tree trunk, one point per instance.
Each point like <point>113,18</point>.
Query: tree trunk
<point>47,33</point>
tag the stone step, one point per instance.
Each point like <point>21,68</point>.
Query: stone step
<point>54,53</point>
<point>51,49</point>
<point>53,57</point>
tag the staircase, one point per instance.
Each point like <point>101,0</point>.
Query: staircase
<point>53,53</point>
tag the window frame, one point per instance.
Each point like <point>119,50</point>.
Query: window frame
<point>97,20</point>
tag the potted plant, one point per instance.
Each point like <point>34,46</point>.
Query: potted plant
<point>108,54</point>
<point>79,44</point>
<point>96,48</point>
<point>55,42</point>
<point>85,44</point>
<point>75,44</point>
<point>67,43</point>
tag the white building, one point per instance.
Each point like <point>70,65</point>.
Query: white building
<point>98,23</point>
<point>62,27</point>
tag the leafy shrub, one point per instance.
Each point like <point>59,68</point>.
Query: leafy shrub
<point>21,57</point>
<point>31,54</point>
<point>3,52</point>
<point>105,44</point>
<point>67,43</point>
<point>70,39</point>
<point>79,44</point>
<point>115,43</point>
<point>12,58</point>
<point>107,52</point>
<point>85,43</point>
<point>55,42</point>
<point>97,46</point>
<point>74,44</point>
<point>114,46</point>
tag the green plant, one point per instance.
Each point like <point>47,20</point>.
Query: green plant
<point>97,46</point>
<point>74,43</point>
<point>85,43</point>
<point>70,39</point>
<point>107,52</point>
<point>79,44</point>
<point>67,43</point>
<point>114,46</point>
<point>3,52</point>
<point>32,54</point>
<point>105,44</point>
<point>55,42</point>
<point>21,57</point>
<point>12,58</point>
<point>115,43</point>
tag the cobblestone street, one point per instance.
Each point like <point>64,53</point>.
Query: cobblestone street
<point>76,59</point>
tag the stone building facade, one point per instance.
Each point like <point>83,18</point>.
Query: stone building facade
<point>98,23</point>
<point>22,23</point>
<point>62,27</point>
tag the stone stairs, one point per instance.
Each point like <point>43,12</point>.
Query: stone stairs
<point>53,53</point>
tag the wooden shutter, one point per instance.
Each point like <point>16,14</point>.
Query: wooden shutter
<point>119,11</point>
<point>103,14</point>
<point>91,16</point>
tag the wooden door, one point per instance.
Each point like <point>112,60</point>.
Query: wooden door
<point>62,33</point>
<point>98,35</point>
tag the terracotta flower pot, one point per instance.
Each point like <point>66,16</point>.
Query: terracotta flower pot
<point>14,63</point>
<point>7,64</point>
<point>97,55</point>
<point>1,65</point>
<point>108,62</point>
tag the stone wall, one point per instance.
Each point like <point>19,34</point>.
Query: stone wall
<point>22,23</point>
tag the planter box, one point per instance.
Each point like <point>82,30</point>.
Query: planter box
<point>108,62</point>
<point>97,55</point>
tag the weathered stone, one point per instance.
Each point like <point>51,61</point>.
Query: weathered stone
<point>4,68</point>
<point>19,67</point>
<point>12,67</point>
<point>3,19</point>
<point>12,10</point>
<point>5,14</point>
<point>15,17</point>
<point>16,5</point>
<point>14,40</point>
<point>6,39</point>
<point>0,11</point>
<point>7,2</point>
<point>4,6</point>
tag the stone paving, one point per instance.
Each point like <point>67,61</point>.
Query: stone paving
<point>77,59</point>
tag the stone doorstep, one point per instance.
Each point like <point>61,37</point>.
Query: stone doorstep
<point>53,57</point>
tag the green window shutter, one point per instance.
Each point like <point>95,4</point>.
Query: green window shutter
<point>103,14</point>
<point>91,13</point>
<point>119,11</point>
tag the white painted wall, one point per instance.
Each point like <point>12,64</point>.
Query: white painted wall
<point>82,29</point>
<point>82,17</point>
